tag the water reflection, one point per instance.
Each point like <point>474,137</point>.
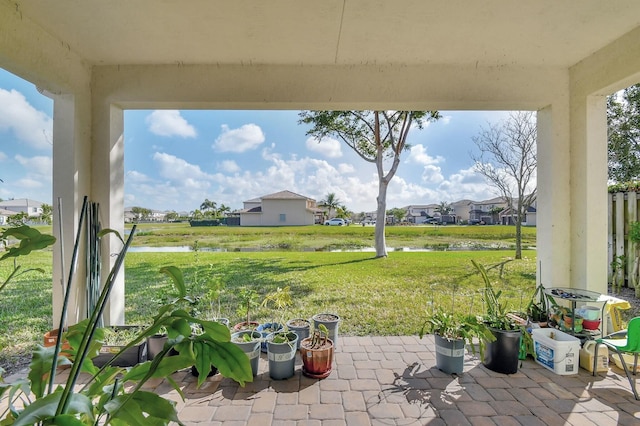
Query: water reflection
<point>187,249</point>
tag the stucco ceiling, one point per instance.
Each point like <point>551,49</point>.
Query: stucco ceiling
<point>555,33</point>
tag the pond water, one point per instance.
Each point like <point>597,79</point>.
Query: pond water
<point>187,249</point>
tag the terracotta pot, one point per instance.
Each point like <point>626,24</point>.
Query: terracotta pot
<point>316,363</point>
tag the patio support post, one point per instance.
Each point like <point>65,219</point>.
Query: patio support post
<point>107,189</point>
<point>71,176</point>
<point>553,212</point>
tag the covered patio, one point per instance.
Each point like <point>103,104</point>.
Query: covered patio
<point>394,381</point>
<point>96,59</point>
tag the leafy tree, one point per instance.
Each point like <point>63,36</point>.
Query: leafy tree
<point>444,208</point>
<point>47,214</point>
<point>623,119</point>
<point>141,213</point>
<point>398,213</point>
<point>171,216</point>
<point>223,210</point>
<point>196,214</point>
<point>508,162</point>
<point>343,212</point>
<point>18,219</point>
<point>330,202</point>
<point>378,137</point>
<point>209,207</point>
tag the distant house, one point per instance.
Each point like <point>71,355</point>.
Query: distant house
<point>32,208</point>
<point>417,213</point>
<point>5,215</point>
<point>508,216</point>
<point>284,208</point>
<point>487,211</point>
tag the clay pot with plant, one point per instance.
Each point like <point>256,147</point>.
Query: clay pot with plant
<point>317,353</point>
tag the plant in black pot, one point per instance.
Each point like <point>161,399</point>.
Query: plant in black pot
<point>502,355</point>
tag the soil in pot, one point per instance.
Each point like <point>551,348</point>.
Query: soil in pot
<point>243,326</point>
<point>249,342</point>
<point>317,361</point>
<point>282,354</point>
<point>301,327</point>
<point>330,321</point>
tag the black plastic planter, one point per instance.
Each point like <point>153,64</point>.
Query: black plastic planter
<point>502,355</point>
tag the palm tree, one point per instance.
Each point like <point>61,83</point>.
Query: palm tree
<point>223,209</point>
<point>208,207</point>
<point>444,208</point>
<point>331,202</point>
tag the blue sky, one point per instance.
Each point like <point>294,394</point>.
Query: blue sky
<point>176,159</point>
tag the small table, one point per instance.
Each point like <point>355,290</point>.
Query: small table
<point>575,295</point>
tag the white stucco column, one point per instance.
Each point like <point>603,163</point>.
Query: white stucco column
<point>71,177</point>
<point>553,210</point>
<point>589,193</point>
<point>107,189</point>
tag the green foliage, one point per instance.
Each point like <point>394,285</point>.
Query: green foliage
<point>496,312</point>
<point>623,120</point>
<point>30,240</point>
<point>452,326</point>
<point>103,399</point>
<point>248,299</point>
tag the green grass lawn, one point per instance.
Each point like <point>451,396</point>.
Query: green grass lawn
<point>373,296</point>
<point>320,237</point>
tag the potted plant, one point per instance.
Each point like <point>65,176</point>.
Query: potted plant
<point>103,398</point>
<point>502,354</point>
<point>249,342</point>
<point>281,353</point>
<point>281,344</point>
<point>330,321</point>
<point>301,327</point>
<point>248,299</point>
<point>317,354</point>
<point>280,299</point>
<point>451,332</point>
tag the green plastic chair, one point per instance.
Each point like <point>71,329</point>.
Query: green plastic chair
<point>623,342</point>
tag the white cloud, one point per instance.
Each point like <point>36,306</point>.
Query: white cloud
<point>418,155</point>
<point>27,124</point>
<point>346,168</point>
<point>170,123</point>
<point>176,169</point>
<point>432,174</point>
<point>244,138</point>
<point>38,165</point>
<point>3,156</point>
<point>229,166</point>
<point>328,147</point>
<point>135,176</point>
<point>28,183</point>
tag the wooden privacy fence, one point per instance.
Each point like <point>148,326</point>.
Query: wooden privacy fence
<point>623,211</point>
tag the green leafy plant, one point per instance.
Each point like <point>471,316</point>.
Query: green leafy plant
<point>104,399</point>
<point>617,267</point>
<point>319,337</point>
<point>30,240</point>
<point>452,325</point>
<point>248,299</point>
<point>496,315</point>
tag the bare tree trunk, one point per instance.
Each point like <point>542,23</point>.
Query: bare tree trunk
<point>381,219</point>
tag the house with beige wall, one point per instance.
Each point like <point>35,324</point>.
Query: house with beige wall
<point>284,208</point>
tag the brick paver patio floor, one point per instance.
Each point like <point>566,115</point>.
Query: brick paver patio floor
<point>393,381</point>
